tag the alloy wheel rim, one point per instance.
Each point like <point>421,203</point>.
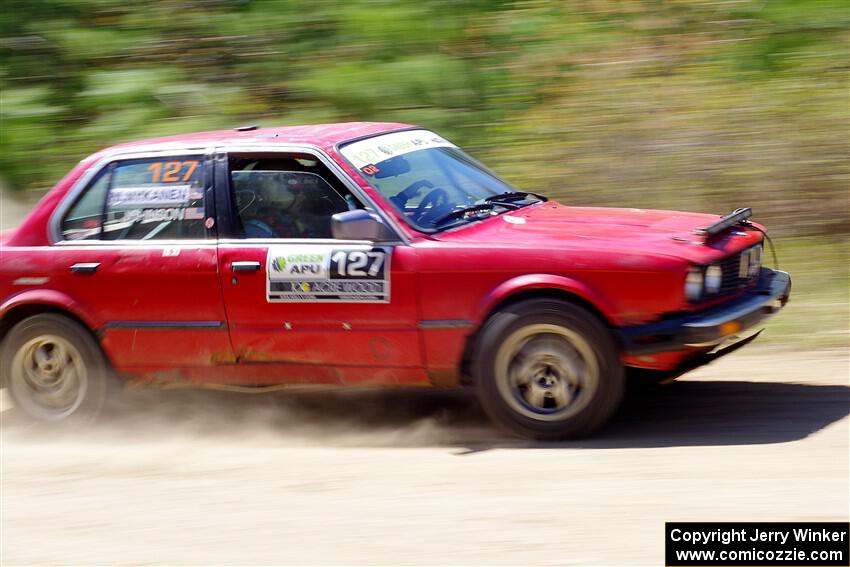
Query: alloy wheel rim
<point>546,372</point>
<point>49,377</point>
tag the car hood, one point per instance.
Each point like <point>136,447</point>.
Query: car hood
<point>644,231</point>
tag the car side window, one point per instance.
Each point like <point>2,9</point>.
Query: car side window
<point>141,199</point>
<point>286,198</point>
<point>83,220</point>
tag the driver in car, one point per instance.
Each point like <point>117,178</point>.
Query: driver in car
<point>298,209</point>
<point>401,198</point>
<point>310,210</point>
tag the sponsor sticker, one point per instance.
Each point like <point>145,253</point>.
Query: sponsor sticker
<point>328,274</point>
<point>143,216</point>
<point>153,196</point>
<point>368,153</point>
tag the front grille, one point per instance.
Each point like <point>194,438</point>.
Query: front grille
<point>730,267</point>
<point>731,280</point>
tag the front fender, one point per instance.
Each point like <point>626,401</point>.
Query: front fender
<point>531,282</point>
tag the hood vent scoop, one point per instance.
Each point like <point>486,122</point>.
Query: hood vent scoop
<point>725,222</point>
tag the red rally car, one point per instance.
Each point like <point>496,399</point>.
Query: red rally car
<point>355,254</point>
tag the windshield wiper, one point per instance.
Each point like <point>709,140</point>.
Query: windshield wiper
<point>471,209</point>
<point>506,200</point>
<point>510,196</point>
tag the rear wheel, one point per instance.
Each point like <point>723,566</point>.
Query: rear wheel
<point>54,370</point>
<point>548,369</point>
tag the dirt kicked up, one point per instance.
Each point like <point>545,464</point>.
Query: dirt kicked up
<point>419,477</point>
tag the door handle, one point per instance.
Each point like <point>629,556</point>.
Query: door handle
<point>85,267</point>
<point>245,266</point>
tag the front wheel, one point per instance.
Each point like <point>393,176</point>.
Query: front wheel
<point>548,369</point>
<point>53,369</point>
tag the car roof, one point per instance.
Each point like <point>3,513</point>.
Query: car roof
<point>323,135</point>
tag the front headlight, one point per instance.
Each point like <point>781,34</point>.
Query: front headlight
<point>693,283</point>
<point>713,279</point>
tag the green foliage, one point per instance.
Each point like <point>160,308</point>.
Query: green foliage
<point>674,104</point>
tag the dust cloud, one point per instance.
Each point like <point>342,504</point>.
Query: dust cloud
<point>408,477</point>
<point>300,417</point>
<point>13,209</point>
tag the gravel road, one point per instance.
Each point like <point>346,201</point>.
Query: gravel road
<point>419,477</point>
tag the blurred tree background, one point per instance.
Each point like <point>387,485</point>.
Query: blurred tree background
<point>700,105</point>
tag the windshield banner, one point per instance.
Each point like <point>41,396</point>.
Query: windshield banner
<point>379,148</point>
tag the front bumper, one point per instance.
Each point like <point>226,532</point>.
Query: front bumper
<point>714,326</point>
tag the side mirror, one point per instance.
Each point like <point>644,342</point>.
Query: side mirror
<point>360,224</point>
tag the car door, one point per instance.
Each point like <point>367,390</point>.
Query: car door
<point>293,293</point>
<point>136,250</point>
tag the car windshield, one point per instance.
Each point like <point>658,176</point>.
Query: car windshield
<point>430,181</point>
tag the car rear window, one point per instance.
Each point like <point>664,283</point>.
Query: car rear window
<point>142,199</point>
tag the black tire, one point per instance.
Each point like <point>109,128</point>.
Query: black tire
<point>565,381</point>
<point>54,370</point>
